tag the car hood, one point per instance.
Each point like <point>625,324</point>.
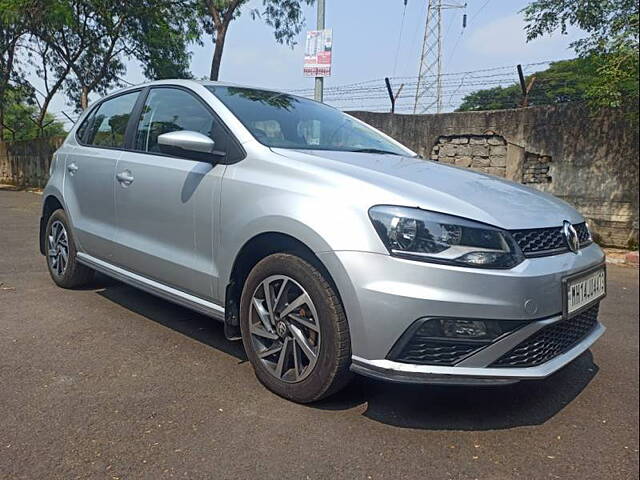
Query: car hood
<point>443,188</point>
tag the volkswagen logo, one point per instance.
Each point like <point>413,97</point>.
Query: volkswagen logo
<point>281,329</point>
<point>571,236</point>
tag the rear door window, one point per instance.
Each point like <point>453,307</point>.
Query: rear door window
<point>107,126</point>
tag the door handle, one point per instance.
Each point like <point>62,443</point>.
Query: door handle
<point>72,168</point>
<point>125,178</point>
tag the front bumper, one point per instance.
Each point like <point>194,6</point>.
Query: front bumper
<point>383,296</point>
<point>474,370</point>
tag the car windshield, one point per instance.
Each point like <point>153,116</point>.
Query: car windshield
<point>286,121</point>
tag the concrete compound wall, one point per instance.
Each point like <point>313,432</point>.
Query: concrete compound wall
<point>589,160</point>
<point>26,163</point>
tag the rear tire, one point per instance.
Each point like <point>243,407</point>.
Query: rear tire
<point>294,329</point>
<point>61,254</point>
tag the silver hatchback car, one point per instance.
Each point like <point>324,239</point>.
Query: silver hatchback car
<point>325,245</point>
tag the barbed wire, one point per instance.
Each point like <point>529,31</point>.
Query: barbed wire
<point>369,94</point>
<point>372,94</point>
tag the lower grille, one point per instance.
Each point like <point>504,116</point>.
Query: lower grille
<point>550,341</point>
<point>434,352</point>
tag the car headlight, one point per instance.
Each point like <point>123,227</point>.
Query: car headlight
<point>435,237</point>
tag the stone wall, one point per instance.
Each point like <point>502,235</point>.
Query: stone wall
<point>536,169</point>
<point>483,153</point>
<point>588,159</point>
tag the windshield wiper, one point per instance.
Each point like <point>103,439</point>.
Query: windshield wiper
<point>373,150</point>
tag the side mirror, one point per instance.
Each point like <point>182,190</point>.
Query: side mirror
<point>188,144</point>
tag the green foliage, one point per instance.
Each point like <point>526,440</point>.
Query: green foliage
<point>80,46</point>
<point>19,113</point>
<point>611,44</point>
<point>88,40</point>
<point>564,81</point>
<point>16,19</point>
<point>162,50</point>
<point>604,75</point>
<point>496,98</point>
<point>286,18</point>
<point>159,32</point>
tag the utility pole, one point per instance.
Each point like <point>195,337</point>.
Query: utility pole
<point>429,88</point>
<point>319,87</point>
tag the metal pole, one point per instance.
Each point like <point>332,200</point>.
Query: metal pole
<point>318,93</point>
<point>391,96</point>
<point>439,71</point>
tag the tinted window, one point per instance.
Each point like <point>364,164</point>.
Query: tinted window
<point>169,110</point>
<point>106,128</point>
<point>286,121</point>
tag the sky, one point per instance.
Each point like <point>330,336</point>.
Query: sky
<point>370,41</point>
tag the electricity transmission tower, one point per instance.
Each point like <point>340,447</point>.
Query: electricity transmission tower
<point>429,88</point>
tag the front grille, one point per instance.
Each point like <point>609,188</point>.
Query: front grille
<point>583,234</point>
<point>428,351</point>
<point>537,242</point>
<point>550,341</point>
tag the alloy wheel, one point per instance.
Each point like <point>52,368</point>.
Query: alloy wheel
<point>284,328</point>
<point>58,248</point>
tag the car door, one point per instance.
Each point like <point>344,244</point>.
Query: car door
<point>167,206</point>
<point>90,172</point>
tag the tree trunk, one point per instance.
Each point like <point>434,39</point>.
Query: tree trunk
<point>84,98</point>
<point>217,52</point>
<point>4,82</point>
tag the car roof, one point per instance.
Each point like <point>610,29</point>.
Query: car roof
<point>189,82</point>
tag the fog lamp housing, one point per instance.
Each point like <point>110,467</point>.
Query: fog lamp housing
<point>448,340</point>
<point>464,328</point>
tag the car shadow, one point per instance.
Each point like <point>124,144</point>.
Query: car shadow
<point>441,407</point>
<point>429,407</point>
<point>187,322</point>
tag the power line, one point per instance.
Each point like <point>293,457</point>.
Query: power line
<point>479,10</point>
<point>395,61</point>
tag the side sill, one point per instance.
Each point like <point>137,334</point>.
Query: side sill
<point>155,288</point>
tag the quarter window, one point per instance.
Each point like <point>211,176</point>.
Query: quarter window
<point>107,126</point>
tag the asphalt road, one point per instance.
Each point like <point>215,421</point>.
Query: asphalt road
<point>109,382</point>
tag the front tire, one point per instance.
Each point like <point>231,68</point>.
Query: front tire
<point>60,250</point>
<point>294,329</point>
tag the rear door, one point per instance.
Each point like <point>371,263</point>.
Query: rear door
<point>167,206</point>
<point>90,172</point>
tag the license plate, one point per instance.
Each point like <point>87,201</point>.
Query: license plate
<point>583,290</point>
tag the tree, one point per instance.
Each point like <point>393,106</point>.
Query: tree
<point>16,19</point>
<point>612,42</point>
<point>20,112</point>
<point>88,40</point>
<point>285,16</point>
<point>563,81</point>
<point>162,46</point>
<point>79,47</point>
